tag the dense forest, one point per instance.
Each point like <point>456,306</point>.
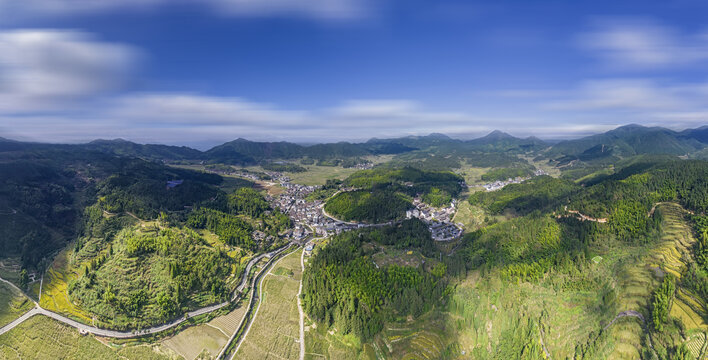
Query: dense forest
<point>507,173</point>
<point>377,206</point>
<point>134,276</point>
<point>406,180</point>
<point>234,222</point>
<point>343,288</point>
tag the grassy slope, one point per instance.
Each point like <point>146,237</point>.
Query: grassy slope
<point>12,304</point>
<point>492,307</point>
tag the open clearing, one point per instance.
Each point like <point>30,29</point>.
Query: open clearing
<point>472,175</point>
<point>471,216</point>
<point>318,175</point>
<point>209,337</point>
<point>275,331</point>
<point>43,338</point>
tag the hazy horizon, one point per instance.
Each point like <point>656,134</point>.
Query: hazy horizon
<point>210,144</point>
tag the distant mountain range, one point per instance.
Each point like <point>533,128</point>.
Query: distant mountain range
<point>632,140</point>
<point>624,141</point>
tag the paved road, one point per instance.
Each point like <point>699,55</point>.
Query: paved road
<point>20,290</point>
<point>127,334</point>
<point>250,306</point>
<point>358,223</point>
<point>244,278</point>
<point>259,289</point>
<point>19,320</point>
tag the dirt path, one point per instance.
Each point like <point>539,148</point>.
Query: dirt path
<point>584,217</point>
<point>543,345</point>
<point>625,314</point>
<point>299,308</point>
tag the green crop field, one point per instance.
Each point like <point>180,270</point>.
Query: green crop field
<point>12,304</point>
<point>318,175</point>
<point>55,296</point>
<point>323,344</point>
<point>472,175</point>
<point>43,338</point>
<point>275,330</point>
<point>207,338</point>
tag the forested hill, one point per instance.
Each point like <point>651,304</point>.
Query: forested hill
<point>631,140</point>
<point>242,151</point>
<point>43,193</point>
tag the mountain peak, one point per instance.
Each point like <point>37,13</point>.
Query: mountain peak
<point>498,135</point>
<point>438,136</point>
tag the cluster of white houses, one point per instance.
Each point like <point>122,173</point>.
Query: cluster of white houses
<point>310,219</point>
<point>439,221</point>
<point>307,215</point>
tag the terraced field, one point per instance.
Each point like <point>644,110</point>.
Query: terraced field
<point>638,280</point>
<point>43,338</point>
<point>322,344</point>
<point>415,344</point>
<point>207,339</point>
<point>54,290</point>
<point>275,331</point>
<point>697,344</point>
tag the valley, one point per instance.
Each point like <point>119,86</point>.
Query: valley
<point>396,256</point>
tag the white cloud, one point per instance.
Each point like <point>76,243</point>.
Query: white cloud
<point>636,45</point>
<point>320,9</point>
<point>176,109</point>
<point>188,118</point>
<point>394,116</point>
<point>619,94</point>
<point>42,69</point>
<point>648,102</point>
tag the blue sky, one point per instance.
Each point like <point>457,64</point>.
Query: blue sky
<point>204,72</point>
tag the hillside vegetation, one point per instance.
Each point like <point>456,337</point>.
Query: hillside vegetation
<point>343,288</point>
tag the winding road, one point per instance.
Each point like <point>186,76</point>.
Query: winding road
<point>257,288</point>
<point>38,310</point>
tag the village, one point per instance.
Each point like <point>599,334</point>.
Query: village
<point>308,216</point>
<point>499,184</point>
<point>439,221</point>
<point>310,219</point>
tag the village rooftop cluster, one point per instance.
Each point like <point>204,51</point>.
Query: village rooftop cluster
<point>497,185</point>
